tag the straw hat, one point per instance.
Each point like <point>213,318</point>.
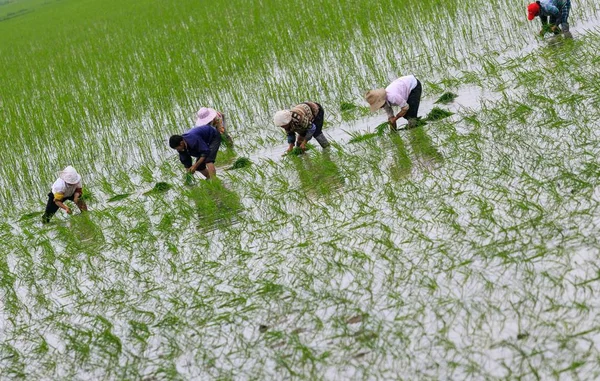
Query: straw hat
<point>205,115</point>
<point>282,118</point>
<point>69,175</point>
<point>376,98</point>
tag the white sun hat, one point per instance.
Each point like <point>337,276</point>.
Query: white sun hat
<point>282,118</point>
<point>205,115</point>
<point>69,175</point>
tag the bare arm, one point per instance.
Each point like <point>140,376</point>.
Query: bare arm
<point>194,167</point>
<point>61,205</point>
<point>79,202</point>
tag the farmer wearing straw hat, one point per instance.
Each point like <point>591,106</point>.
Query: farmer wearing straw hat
<point>306,120</point>
<point>66,187</point>
<point>404,92</point>
<point>551,12</point>
<point>210,116</point>
<point>201,142</point>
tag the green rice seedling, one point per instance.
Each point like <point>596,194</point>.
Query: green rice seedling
<point>296,151</point>
<point>357,137</point>
<point>214,202</point>
<point>347,106</point>
<point>382,127</point>
<point>402,164</point>
<point>437,114</point>
<point>360,137</point>
<point>119,197</point>
<point>423,146</point>
<point>159,188</point>
<point>241,162</point>
<point>226,156</point>
<point>447,97</point>
<point>30,216</point>
<point>189,179</point>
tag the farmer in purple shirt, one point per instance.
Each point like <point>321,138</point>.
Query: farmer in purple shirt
<point>202,143</point>
<point>404,92</point>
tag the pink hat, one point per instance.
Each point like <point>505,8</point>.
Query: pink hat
<point>205,116</point>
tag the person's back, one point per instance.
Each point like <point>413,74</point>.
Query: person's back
<point>198,139</point>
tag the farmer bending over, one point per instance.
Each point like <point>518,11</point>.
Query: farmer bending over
<point>551,12</point>
<point>66,187</point>
<point>202,143</point>
<point>210,116</point>
<point>404,92</point>
<point>305,120</point>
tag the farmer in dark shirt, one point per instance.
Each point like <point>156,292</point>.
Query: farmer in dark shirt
<point>202,143</point>
<point>552,13</point>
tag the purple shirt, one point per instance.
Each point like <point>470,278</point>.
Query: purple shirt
<point>198,140</point>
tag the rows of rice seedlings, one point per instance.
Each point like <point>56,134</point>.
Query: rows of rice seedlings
<point>469,244</point>
<point>111,80</point>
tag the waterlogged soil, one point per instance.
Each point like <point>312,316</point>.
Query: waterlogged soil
<point>470,243</point>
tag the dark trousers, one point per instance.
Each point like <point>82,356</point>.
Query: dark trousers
<point>414,100</point>
<point>318,121</point>
<point>212,156</point>
<point>52,208</point>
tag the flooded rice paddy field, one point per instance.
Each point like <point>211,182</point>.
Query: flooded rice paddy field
<point>464,249</point>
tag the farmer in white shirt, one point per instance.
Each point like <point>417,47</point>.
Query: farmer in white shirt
<point>405,92</point>
<point>66,187</point>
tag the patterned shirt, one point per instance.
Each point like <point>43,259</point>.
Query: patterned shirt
<point>552,8</point>
<point>302,117</point>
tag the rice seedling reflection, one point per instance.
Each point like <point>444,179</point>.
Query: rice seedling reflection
<point>318,173</point>
<point>214,203</point>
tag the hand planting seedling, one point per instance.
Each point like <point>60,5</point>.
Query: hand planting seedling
<point>302,123</point>
<point>296,151</point>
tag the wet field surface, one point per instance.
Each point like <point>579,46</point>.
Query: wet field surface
<point>463,249</point>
